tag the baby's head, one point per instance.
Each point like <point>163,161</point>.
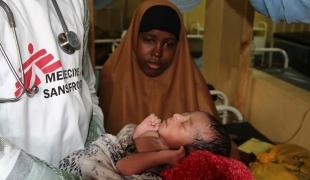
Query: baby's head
<point>195,131</point>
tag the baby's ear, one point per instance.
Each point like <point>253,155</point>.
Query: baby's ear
<point>188,149</point>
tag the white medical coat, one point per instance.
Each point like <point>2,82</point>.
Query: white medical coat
<point>55,121</point>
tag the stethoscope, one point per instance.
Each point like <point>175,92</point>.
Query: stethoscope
<point>68,42</point>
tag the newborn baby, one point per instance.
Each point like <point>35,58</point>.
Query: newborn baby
<point>166,142</point>
<point>195,130</point>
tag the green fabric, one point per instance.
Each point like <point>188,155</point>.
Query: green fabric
<point>42,170</point>
<point>28,167</point>
<point>94,132</point>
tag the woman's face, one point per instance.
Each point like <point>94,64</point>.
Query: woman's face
<point>155,51</point>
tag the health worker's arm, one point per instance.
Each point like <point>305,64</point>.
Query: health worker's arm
<point>96,123</point>
<point>90,78</point>
<point>287,10</point>
<point>139,162</point>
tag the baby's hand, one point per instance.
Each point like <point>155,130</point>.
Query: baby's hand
<point>150,123</point>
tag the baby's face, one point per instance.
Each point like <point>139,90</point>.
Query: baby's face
<point>182,129</point>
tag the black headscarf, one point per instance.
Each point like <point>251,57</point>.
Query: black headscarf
<point>162,18</point>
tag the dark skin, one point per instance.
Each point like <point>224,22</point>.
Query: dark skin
<point>155,51</point>
<point>151,152</point>
<point>161,142</point>
<point>151,149</point>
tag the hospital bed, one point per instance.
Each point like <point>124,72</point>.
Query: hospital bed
<point>223,107</point>
<point>297,46</point>
<point>260,50</point>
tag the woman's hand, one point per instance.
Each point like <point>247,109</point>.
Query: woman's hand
<point>172,156</point>
<point>150,123</point>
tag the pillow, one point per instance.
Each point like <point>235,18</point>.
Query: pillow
<point>203,165</point>
<point>283,161</point>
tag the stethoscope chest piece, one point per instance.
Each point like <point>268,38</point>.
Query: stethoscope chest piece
<point>69,42</point>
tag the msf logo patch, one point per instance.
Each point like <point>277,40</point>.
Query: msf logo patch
<point>41,60</point>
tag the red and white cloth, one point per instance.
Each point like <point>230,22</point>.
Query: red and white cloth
<point>203,165</point>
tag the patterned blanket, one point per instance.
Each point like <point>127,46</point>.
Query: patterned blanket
<point>98,160</point>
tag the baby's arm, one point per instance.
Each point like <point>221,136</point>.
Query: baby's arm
<point>139,162</point>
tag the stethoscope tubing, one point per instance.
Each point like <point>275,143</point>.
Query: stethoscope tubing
<point>60,17</point>
<point>33,90</point>
<point>3,100</point>
<point>9,13</point>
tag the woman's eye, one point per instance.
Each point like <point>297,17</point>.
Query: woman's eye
<point>148,40</point>
<point>170,44</point>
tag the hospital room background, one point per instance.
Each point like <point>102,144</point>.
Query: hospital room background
<point>261,67</point>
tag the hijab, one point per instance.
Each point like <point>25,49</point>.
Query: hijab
<point>127,95</point>
<point>162,18</point>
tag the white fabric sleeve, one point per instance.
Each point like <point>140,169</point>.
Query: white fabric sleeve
<point>96,126</point>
